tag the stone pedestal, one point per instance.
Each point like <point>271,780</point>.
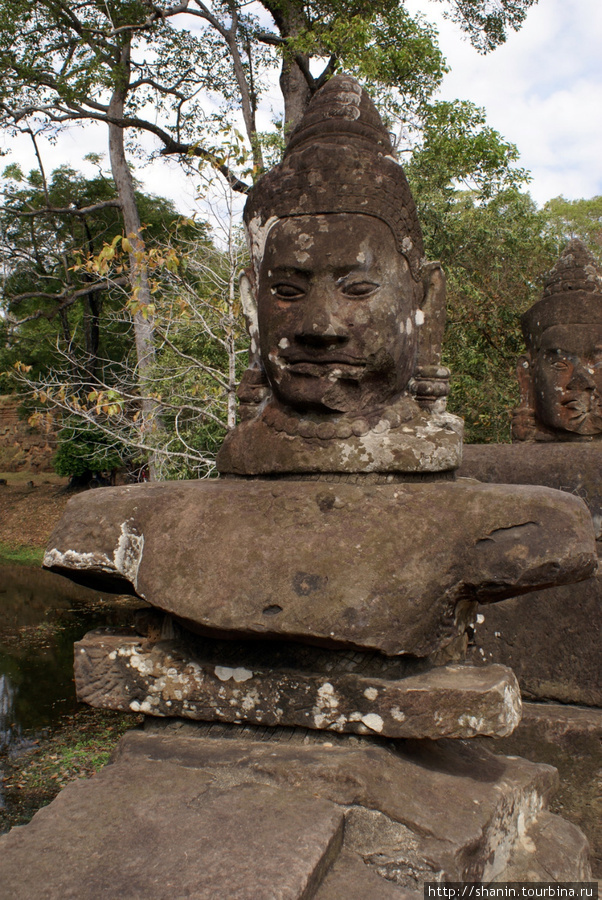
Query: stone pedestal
<point>254,814</point>
<point>554,644</point>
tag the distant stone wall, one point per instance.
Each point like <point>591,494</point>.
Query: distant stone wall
<point>23,448</point>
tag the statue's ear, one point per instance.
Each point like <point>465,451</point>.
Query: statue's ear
<point>525,382</point>
<point>524,426</point>
<point>433,313</point>
<point>249,307</point>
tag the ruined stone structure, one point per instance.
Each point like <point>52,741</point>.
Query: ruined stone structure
<point>558,443</point>
<point>312,609</point>
<point>555,649</point>
<point>23,447</point>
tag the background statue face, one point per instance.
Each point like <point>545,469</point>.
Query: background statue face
<point>567,378</point>
<point>336,313</point>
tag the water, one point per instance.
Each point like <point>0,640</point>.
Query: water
<point>41,616</point>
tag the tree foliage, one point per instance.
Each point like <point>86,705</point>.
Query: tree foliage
<point>183,73</point>
<point>50,230</point>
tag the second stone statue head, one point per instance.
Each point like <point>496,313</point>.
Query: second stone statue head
<point>337,292</point>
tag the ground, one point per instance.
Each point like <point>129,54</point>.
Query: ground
<point>29,510</point>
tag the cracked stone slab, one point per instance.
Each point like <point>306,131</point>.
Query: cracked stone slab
<point>569,738</point>
<point>154,830</point>
<point>280,814</point>
<point>415,811</point>
<point>396,568</point>
<point>225,684</point>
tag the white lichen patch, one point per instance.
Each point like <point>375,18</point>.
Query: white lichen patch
<point>375,451</point>
<point>472,724</point>
<point>326,705</point>
<point>374,722</point>
<point>283,343</point>
<point>127,555</point>
<point>512,708</point>
<point>370,693</point>
<point>239,675</point>
<point>509,831</point>
<point>73,559</point>
<point>250,700</point>
<point>305,241</point>
<point>397,714</point>
<point>257,232</point>
<point>276,360</point>
<point>419,317</point>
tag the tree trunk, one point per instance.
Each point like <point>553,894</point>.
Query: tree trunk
<point>295,87</point>
<point>296,93</point>
<point>143,324</point>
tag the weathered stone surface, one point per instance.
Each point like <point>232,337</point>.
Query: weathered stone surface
<point>555,650</point>
<point>434,809</point>
<point>551,848</point>
<point>351,879</point>
<point>227,684</point>
<point>569,738</point>
<point>395,568</point>
<point>561,375</point>
<point>574,468</point>
<point>257,814</point>
<point>421,443</point>
<point>154,830</point>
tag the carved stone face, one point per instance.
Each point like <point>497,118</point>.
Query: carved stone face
<point>336,312</point>
<point>567,378</point>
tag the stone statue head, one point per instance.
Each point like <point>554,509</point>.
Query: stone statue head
<point>337,289</point>
<point>561,374</point>
<point>346,318</point>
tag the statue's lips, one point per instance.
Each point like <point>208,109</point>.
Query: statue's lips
<point>320,366</point>
<point>584,402</point>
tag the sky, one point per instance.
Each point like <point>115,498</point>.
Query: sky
<point>542,91</point>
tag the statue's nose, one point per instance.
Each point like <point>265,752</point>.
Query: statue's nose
<point>581,378</point>
<point>320,325</point>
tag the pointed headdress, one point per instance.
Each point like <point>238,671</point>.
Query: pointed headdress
<point>339,160</point>
<point>572,295</point>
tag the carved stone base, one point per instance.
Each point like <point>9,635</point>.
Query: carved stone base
<point>226,682</point>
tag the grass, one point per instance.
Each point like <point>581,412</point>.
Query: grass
<point>80,746</point>
<point>22,554</point>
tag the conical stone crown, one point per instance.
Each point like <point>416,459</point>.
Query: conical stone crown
<point>339,160</point>
<point>576,270</point>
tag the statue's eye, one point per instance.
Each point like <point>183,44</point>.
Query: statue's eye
<point>560,363</point>
<point>286,291</point>
<point>359,288</point>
